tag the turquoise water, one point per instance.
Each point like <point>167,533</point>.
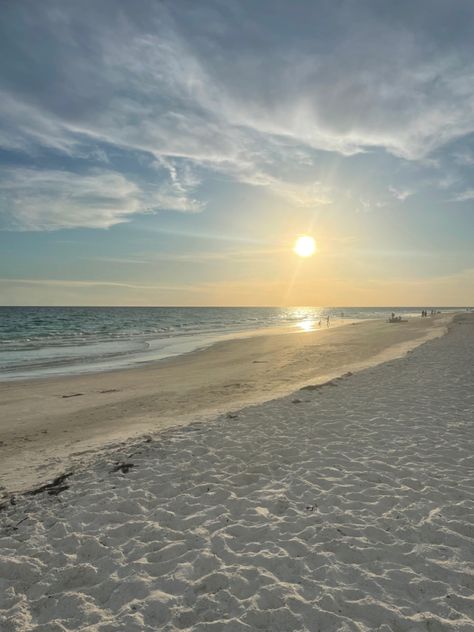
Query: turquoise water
<point>39,341</point>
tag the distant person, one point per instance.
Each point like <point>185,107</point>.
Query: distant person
<point>327,321</point>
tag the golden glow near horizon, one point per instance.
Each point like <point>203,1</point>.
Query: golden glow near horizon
<point>305,246</point>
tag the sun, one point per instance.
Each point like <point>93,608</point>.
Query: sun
<point>305,246</point>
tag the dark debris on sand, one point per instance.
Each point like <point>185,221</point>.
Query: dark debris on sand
<point>122,467</point>
<point>54,488</point>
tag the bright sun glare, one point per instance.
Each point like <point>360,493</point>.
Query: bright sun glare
<point>305,246</point>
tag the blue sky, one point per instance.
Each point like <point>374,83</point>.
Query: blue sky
<point>157,153</point>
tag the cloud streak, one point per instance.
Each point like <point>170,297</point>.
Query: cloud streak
<point>465,196</point>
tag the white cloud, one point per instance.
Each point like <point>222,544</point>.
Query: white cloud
<point>26,127</point>
<point>47,199</point>
<point>164,93</point>
<point>400,194</point>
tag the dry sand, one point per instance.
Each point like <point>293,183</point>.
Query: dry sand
<point>45,424</point>
<point>343,508</point>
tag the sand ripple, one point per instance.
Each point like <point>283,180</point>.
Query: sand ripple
<point>349,510</point>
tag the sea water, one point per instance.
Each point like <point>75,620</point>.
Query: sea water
<point>42,341</point>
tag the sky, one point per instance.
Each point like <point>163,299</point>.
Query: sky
<point>170,152</point>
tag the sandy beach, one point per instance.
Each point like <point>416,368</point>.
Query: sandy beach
<point>48,425</point>
<point>343,507</point>
<point>237,316</point>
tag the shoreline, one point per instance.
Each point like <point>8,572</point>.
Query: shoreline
<point>50,423</point>
<point>135,361</point>
<point>40,354</point>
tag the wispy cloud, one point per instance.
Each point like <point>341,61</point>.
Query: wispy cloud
<point>464,196</point>
<point>464,157</point>
<point>186,86</point>
<point>366,205</point>
<point>71,283</point>
<point>20,291</point>
<point>163,92</point>
<point>447,181</point>
<point>34,199</point>
<point>400,194</point>
<point>198,256</point>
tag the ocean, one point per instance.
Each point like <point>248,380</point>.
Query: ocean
<point>42,341</point>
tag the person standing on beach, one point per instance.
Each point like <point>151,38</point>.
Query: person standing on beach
<point>327,321</point>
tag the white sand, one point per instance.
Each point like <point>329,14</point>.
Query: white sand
<point>47,423</point>
<point>347,507</point>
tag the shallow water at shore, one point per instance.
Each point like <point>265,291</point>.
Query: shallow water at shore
<point>41,341</point>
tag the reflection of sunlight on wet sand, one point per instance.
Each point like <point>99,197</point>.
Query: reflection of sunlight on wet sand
<point>307,325</point>
<point>315,324</point>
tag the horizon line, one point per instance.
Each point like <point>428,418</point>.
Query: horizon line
<point>246,306</point>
